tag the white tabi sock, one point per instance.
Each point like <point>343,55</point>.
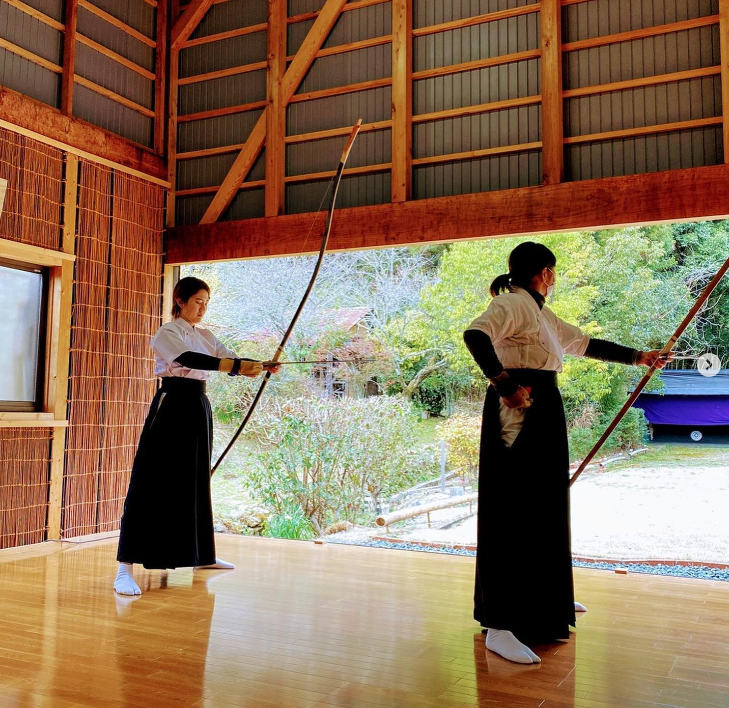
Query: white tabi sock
<point>579,607</point>
<point>504,643</point>
<point>124,583</point>
<point>218,565</point>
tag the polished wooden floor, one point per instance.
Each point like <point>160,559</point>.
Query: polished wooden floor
<point>306,626</point>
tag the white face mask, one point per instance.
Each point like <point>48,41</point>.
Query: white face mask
<point>550,288</point>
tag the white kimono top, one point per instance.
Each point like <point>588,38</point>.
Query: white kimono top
<point>179,336</point>
<point>526,337</point>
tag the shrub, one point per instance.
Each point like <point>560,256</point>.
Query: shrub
<point>462,435</point>
<point>334,457</point>
<point>291,523</point>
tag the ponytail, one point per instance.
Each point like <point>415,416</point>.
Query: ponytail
<point>527,260</point>
<point>502,283</point>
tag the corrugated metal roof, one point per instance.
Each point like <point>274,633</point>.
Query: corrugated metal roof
<point>692,383</point>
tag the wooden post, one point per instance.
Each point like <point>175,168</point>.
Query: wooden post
<point>173,75</point>
<point>276,109</point>
<point>552,110</point>
<point>402,99</point>
<point>69,57</point>
<point>62,303</point>
<point>170,276</point>
<point>724,53</point>
<point>160,89</point>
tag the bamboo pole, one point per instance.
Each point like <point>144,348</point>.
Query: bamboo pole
<point>410,512</point>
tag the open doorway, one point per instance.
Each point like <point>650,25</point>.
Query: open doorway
<point>388,418</point>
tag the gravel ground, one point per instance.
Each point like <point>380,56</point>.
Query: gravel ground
<point>667,510</point>
<point>692,571</point>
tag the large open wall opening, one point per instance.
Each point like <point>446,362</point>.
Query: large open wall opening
<point>387,419</point>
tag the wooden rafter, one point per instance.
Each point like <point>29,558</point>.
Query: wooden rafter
<point>295,74</point>
<point>116,22</point>
<point>658,197</point>
<point>188,22</point>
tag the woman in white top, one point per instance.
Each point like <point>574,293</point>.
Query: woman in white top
<point>524,593</point>
<point>168,518</point>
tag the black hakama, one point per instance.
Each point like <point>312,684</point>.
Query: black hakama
<point>524,559</point>
<point>168,516</point>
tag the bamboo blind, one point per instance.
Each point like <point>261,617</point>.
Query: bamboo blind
<point>32,215</point>
<point>117,309</point>
<point>34,200</point>
<point>25,455</point>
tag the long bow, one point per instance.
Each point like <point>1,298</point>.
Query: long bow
<point>310,287</point>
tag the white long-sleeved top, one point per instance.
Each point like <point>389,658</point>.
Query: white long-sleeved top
<point>527,337</point>
<point>179,336</point>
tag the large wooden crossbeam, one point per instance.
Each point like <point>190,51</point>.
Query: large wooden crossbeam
<point>41,122</point>
<point>659,197</point>
<point>293,77</point>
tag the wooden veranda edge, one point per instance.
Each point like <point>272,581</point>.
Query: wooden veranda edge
<point>676,195</point>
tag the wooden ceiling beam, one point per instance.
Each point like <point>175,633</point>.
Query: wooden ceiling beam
<point>292,79</point>
<point>188,22</point>
<point>658,197</point>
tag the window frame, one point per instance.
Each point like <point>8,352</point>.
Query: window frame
<point>40,374</point>
<point>53,360</point>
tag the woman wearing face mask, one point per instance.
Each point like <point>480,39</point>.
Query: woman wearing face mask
<point>524,593</point>
<point>168,518</point>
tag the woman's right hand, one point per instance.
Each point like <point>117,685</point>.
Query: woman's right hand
<point>519,399</point>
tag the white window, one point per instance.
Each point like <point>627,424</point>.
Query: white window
<point>23,296</point>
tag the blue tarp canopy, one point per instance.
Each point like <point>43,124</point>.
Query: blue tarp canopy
<point>688,398</point>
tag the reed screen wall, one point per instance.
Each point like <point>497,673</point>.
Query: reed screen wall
<point>116,310</point>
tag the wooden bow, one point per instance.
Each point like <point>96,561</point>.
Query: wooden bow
<point>310,287</point>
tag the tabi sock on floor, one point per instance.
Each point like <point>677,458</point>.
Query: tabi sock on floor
<point>218,565</point>
<point>124,583</point>
<point>504,643</point>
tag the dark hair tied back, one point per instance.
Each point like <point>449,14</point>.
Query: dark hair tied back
<point>185,289</point>
<point>525,261</point>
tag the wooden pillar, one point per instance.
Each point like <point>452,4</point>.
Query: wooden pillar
<point>276,109</point>
<point>160,75</point>
<point>552,108</point>
<point>173,75</point>
<point>724,48</point>
<point>402,99</point>
<point>170,274</point>
<point>62,303</point>
<point>69,57</point>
